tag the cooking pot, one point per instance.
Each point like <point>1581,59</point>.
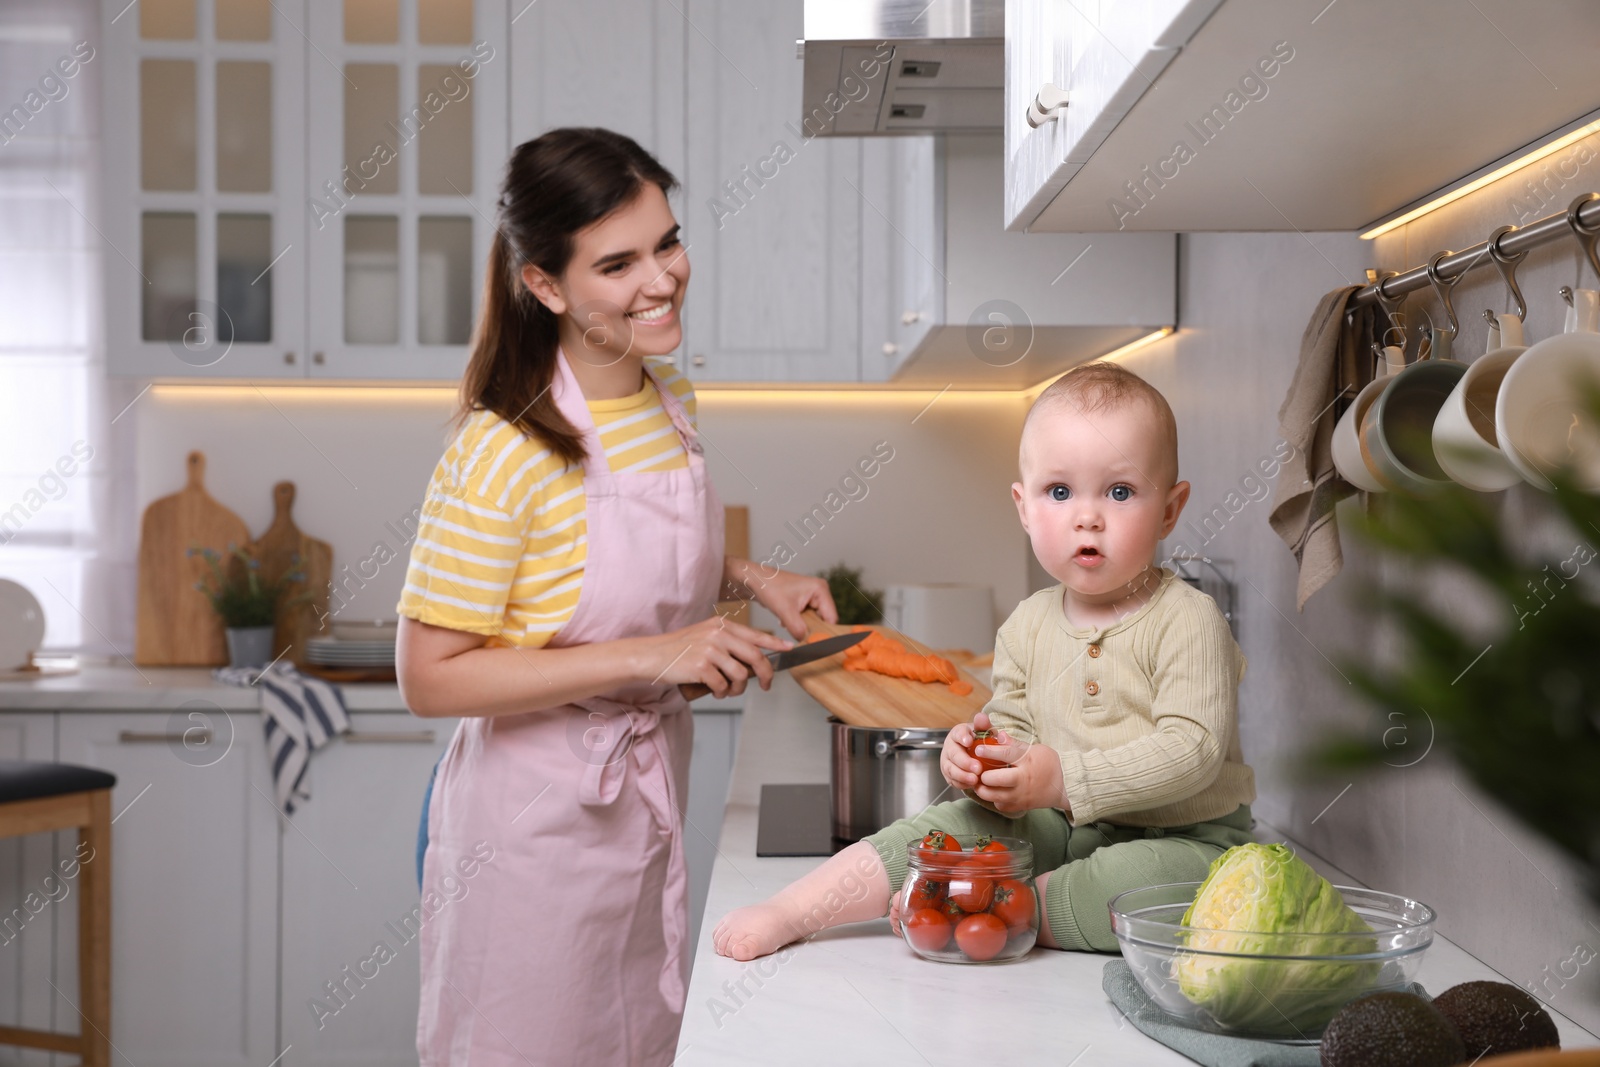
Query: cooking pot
<point>881,774</point>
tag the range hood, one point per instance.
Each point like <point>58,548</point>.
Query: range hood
<point>884,67</point>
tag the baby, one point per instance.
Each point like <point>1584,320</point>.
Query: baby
<point>1115,696</point>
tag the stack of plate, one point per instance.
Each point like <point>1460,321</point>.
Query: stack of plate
<point>337,652</point>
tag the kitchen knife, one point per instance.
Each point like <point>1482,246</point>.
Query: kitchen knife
<point>793,657</point>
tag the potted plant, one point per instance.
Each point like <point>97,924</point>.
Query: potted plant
<point>857,606</point>
<point>1517,704</point>
<point>247,606</point>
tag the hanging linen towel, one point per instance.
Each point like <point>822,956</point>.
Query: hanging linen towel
<point>299,715</point>
<point>1330,370</point>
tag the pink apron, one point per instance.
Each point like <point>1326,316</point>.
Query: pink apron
<point>568,945</point>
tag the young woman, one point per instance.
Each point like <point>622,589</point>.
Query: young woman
<point>560,588</point>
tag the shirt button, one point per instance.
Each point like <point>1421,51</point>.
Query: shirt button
<point>1093,689</point>
<point>1094,651</point>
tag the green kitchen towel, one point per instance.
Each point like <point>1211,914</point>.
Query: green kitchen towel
<point>1211,1050</point>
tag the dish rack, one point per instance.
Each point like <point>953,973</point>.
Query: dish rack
<point>1214,578</point>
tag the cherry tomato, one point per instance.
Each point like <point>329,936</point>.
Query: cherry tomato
<point>971,894</point>
<point>928,930</point>
<point>981,936</point>
<point>984,737</point>
<point>939,841</point>
<point>926,893</point>
<point>1013,905</point>
<point>988,854</point>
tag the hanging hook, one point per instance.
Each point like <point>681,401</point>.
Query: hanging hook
<point>1391,304</point>
<point>1585,236</point>
<point>1443,288</point>
<point>1566,294</point>
<point>1507,266</point>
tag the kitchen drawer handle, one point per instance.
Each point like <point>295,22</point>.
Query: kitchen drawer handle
<point>416,737</point>
<point>188,737</point>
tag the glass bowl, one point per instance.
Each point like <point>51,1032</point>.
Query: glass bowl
<point>970,907</point>
<point>1282,986</point>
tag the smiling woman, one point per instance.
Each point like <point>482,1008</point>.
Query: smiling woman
<point>560,591</point>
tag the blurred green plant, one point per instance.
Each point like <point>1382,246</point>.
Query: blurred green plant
<point>1518,706</point>
<point>237,592</point>
<point>857,605</point>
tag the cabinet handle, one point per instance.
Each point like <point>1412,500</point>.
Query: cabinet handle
<point>414,737</point>
<point>1048,104</point>
<point>909,317</point>
<point>698,361</point>
<point>890,348</point>
<point>316,357</point>
<point>188,737</point>
<point>288,357</point>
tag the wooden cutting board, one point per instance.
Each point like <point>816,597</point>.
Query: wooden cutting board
<point>282,550</point>
<point>736,543</point>
<point>866,698</point>
<point>176,624</point>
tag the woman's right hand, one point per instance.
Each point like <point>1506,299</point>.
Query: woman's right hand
<point>960,769</point>
<point>717,653</point>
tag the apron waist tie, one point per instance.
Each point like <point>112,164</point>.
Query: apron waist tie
<point>627,734</point>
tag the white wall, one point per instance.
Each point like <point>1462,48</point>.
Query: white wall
<point>1422,830</point>
<point>938,511</point>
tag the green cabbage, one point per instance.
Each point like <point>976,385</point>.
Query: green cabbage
<point>1254,890</point>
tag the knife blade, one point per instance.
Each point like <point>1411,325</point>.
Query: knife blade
<point>784,659</point>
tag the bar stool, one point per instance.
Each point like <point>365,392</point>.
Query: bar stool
<point>39,797</point>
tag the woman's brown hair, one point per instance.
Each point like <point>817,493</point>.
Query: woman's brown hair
<point>555,185</point>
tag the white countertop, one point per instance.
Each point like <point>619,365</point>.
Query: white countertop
<point>128,688</point>
<point>857,994</point>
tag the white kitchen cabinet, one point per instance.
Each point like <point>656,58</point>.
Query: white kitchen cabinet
<point>349,887</point>
<point>982,308</point>
<point>36,901</point>
<point>1180,110</point>
<point>405,146</point>
<point>299,189</point>
<point>194,899</point>
<point>716,740</point>
<point>570,66</point>
<point>1106,55</point>
<point>203,189</point>
<point>772,217</point>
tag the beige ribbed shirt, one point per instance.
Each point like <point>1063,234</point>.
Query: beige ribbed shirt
<point>1144,712</point>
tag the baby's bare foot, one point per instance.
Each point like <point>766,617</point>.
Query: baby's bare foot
<point>757,930</point>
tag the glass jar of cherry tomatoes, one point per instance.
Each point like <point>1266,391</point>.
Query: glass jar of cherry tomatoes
<point>969,900</point>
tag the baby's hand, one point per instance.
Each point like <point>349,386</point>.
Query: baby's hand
<point>958,768</point>
<point>1033,779</point>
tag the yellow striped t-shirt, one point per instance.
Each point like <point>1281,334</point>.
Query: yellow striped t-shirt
<point>502,541</point>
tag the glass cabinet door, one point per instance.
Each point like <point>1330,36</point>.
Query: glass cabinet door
<point>203,187</point>
<point>406,141</point>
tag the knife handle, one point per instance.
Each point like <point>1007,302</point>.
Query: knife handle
<point>693,690</point>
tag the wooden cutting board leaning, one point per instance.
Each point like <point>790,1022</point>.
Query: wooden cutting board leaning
<point>284,549</point>
<point>176,625</point>
<point>866,698</point>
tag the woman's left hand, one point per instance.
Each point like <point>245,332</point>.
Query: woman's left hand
<point>786,595</point>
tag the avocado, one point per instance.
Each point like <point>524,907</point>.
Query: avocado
<point>1495,1017</point>
<point>1391,1030</point>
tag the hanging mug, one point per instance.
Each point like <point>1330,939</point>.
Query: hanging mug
<point>1465,441</point>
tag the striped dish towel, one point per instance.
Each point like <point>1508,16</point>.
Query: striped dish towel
<point>299,714</point>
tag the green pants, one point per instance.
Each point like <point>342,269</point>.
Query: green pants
<point>1090,863</point>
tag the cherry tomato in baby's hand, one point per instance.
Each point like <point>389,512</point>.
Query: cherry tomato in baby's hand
<point>971,894</point>
<point>928,930</point>
<point>981,936</point>
<point>939,841</point>
<point>984,737</point>
<point>1013,905</point>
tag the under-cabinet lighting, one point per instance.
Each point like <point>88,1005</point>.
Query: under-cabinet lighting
<point>756,391</point>
<point>1566,140</point>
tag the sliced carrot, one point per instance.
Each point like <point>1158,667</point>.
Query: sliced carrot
<point>960,688</point>
<point>884,655</point>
